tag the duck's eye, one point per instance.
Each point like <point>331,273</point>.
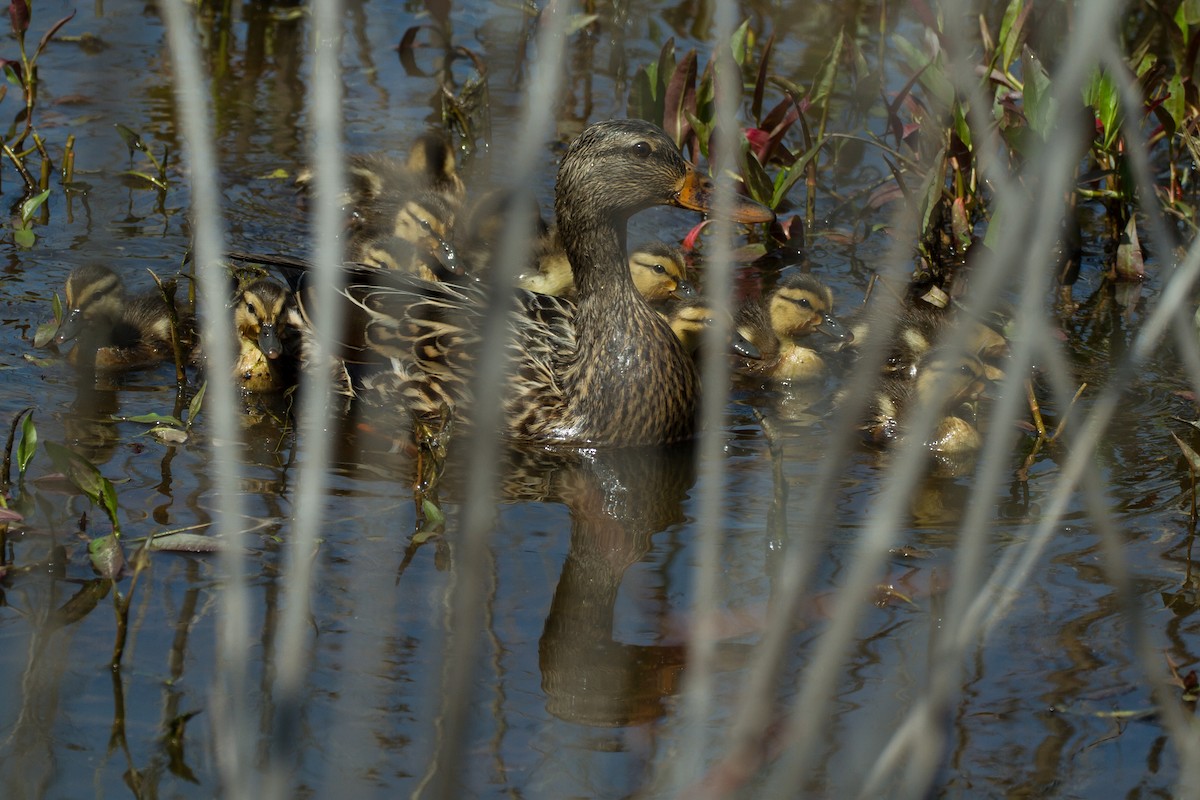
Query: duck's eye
<point>660,269</point>
<point>965,369</point>
<point>641,149</point>
<point>804,303</point>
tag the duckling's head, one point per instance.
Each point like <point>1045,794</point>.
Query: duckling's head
<point>431,159</point>
<point>95,299</point>
<point>261,309</point>
<point>618,167</point>
<point>949,378</point>
<point>658,272</point>
<point>689,319</point>
<point>802,305</point>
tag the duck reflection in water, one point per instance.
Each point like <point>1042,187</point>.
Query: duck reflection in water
<point>618,499</point>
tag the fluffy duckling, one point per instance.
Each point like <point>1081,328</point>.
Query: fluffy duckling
<point>947,380</point>
<point>917,330</point>
<point>690,318</point>
<point>430,165</point>
<point>782,327</point>
<point>657,268</point>
<point>113,332</point>
<point>409,234</point>
<point>264,315</point>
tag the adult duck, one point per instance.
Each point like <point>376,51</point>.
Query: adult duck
<point>605,369</point>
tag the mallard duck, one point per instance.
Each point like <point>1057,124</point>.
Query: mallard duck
<point>605,370</point>
<point>264,316</point>
<point>690,318</point>
<point>113,332</point>
<point>948,380</point>
<point>781,328</point>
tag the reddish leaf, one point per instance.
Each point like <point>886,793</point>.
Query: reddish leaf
<point>48,35</point>
<point>760,141</point>
<point>18,13</point>
<point>693,237</point>
<point>680,97</point>
<point>760,82</point>
<point>407,48</point>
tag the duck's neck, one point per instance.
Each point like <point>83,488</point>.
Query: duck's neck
<point>631,380</point>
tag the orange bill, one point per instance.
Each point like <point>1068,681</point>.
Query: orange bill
<point>696,192</point>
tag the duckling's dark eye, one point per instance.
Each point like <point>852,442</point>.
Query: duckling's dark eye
<point>660,269</point>
<point>804,303</point>
<point>641,149</point>
<point>965,369</point>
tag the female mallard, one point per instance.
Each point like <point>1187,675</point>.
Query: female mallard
<point>113,332</point>
<point>604,370</point>
<point>782,326</point>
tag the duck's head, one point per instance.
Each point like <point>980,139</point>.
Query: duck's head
<point>689,319</point>
<point>260,310</point>
<point>95,297</point>
<point>802,305</point>
<point>950,379</point>
<point>616,168</point>
<point>658,271</point>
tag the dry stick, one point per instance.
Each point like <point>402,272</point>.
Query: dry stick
<point>68,171</point>
<point>167,290</point>
<point>1062,423</point>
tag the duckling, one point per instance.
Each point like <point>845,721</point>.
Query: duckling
<point>657,269</point>
<point>430,165</point>
<point>781,326</point>
<point>264,316</point>
<point>689,319</point>
<point>113,332</point>
<point>948,380</point>
<point>606,370</point>
<point>919,327</point>
<point>409,234</point>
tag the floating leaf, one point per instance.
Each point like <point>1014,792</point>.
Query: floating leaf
<point>169,435</point>
<point>8,515</point>
<point>24,236</point>
<point>107,557</point>
<point>132,138</point>
<point>184,543</point>
<point>151,419</point>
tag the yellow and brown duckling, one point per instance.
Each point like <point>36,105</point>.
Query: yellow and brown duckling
<point>783,326</point>
<point>690,318</point>
<point>605,370</point>
<point>429,166</point>
<point>265,317</point>
<point>918,329</point>
<point>409,234</point>
<point>952,382</point>
<point>114,332</point>
<point>657,269</point>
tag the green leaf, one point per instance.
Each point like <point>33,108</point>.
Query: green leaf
<point>132,139</point>
<point>787,178</point>
<point>433,514</point>
<point>196,404</point>
<point>44,333</point>
<point>1176,104</point>
<point>56,306</point>
<point>28,445</point>
<point>934,77</point>
<point>169,435</point>
<point>1101,95</point>
<point>151,419</point>
<point>1039,105</point>
<point>823,84</point>
<point>108,559</point>
<point>32,204</point>
<point>87,478</point>
<point>757,180</point>
<point>738,42</point>
<point>1010,34</point>
<point>24,236</point>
